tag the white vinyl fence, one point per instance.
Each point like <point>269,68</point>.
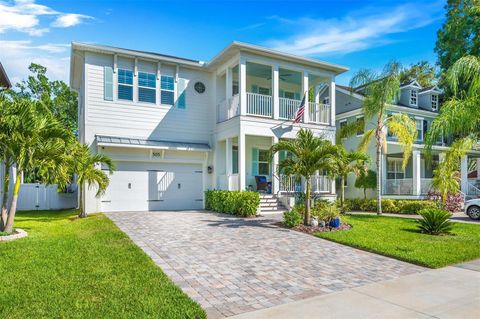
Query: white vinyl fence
<point>43,197</point>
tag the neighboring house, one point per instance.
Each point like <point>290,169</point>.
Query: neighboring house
<point>422,105</point>
<point>4,80</point>
<point>177,127</point>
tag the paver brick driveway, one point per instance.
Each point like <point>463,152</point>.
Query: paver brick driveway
<point>232,265</point>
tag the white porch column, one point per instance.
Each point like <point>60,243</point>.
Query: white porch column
<point>228,83</point>
<point>275,181</point>
<point>383,172</point>
<point>464,175</point>
<point>316,94</point>
<point>241,160</point>
<point>242,85</point>
<point>478,168</point>
<point>332,102</point>
<point>228,161</point>
<point>416,177</point>
<point>275,91</point>
<point>305,91</point>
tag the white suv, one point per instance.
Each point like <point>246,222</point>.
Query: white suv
<point>472,208</point>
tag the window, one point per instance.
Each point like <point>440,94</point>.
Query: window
<point>419,130</point>
<point>264,91</point>
<point>389,134</point>
<point>361,126</point>
<point>234,159</point>
<point>263,162</point>
<point>326,100</point>
<point>342,124</point>
<point>125,85</point>
<point>167,87</point>
<point>413,97</point>
<point>108,83</point>
<point>394,168</point>
<point>235,87</point>
<point>434,102</point>
<point>146,87</point>
<point>289,95</point>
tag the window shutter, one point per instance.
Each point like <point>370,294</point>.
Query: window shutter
<point>254,88</point>
<point>108,83</point>
<point>181,101</point>
<point>254,161</point>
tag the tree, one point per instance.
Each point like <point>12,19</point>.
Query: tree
<point>84,164</point>
<point>423,72</point>
<point>36,139</point>
<point>460,33</point>
<point>366,180</point>
<point>347,162</point>
<point>380,90</point>
<point>459,115</point>
<point>309,155</point>
<point>55,95</point>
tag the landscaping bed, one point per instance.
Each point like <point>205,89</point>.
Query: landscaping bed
<point>83,268</point>
<point>400,238</point>
<point>316,229</point>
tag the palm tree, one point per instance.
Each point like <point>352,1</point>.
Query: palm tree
<point>36,140</point>
<point>84,165</point>
<point>347,162</point>
<point>309,155</point>
<point>381,90</point>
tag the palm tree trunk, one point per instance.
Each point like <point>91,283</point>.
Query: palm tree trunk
<point>13,206</point>
<point>364,193</point>
<point>5,184</point>
<point>306,218</point>
<point>379,179</point>
<point>342,198</point>
<point>82,213</point>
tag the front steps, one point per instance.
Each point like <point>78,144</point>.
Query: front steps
<point>269,204</point>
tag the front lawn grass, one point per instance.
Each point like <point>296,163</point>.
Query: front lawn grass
<point>83,268</point>
<point>399,238</point>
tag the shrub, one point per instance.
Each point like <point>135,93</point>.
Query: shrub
<point>325,210</point>
<point>368,205</point>
<point>414,206</point>
<point>389,205</point>
<point>243,204</point>
<point>454,201</point>
<point>434,221</point>
<point>292,218</point>
<point>394,206</point>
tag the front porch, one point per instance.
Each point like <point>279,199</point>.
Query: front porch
<point>259,170</point>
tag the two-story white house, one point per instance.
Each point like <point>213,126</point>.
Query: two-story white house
<point>422,105</point>
<point>176,127</point>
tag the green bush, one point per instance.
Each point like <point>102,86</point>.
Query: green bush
<point>325,210</point>
<point>393,206</point>
<point>292,218</point>
<point>434,221</point>
<point>238,203</point>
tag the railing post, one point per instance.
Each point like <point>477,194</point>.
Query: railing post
<point>242,85</point>
<point>275,92</point>
<point>416,180</point>
<point>306,113</point>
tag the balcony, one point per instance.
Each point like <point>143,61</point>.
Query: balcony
<point>228,108</point>
<point>259,104</point>
<point>288,108</point>
<point>319,113</point>
<point>291,184</point>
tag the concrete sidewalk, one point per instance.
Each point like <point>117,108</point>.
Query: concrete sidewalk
<point>450,292</point>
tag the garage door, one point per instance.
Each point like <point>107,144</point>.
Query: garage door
<point>136,186</point>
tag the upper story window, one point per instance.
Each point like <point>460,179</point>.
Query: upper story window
<point>434,102</point>
<point>167,89</point>
<point>342,123</point>
<point>264,91</point>
<point>413,97</point>
<point>125,85</point>
<point>147,87</point>
<point>419,124</point>
<point>326,100</point>
<point>289,95</point>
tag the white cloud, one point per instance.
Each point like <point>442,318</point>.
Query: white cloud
<point>16,56</point>
<point>25,16</point>
<point>355,32</point>
<point>69,20</point>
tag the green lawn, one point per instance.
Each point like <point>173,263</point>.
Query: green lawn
<point>399,238</point>
<point>71,268</point>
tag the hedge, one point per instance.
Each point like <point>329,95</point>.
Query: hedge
<point>238,203</point>
<point>394,206</point>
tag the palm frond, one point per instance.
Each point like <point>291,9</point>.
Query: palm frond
<point>366,138</point>
<point>405,130</point>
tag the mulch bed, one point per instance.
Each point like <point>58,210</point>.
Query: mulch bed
<point>311,230</point>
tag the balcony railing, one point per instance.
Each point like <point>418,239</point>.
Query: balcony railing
<point>319,113</point>
<point>425,185</point>
<point>228,108</point>
<point>259,104</point>
<point>398,186</point>
<point>288,108</point>
<point>292,184</point>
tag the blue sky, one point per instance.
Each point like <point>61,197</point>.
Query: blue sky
<point>357,34</point>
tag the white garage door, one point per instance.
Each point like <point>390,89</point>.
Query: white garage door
<point>136,186</point>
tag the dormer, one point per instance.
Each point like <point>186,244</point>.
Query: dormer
<point>409,93</point>
<point>429,98</point>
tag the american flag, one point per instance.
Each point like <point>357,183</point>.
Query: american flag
<point>300,111</point>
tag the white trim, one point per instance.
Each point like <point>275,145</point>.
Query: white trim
<point>358,96</point>
<point>414,84</point>
<point>393,108</point>
<point>102,144</point>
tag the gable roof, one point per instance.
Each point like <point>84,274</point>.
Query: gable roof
<point>412,83</point>
<point>432,88</point>
<point>4,80</point>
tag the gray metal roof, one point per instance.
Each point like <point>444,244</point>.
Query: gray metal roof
<point>136,142</point>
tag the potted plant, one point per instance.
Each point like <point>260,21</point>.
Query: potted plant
<point>314,222</point>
